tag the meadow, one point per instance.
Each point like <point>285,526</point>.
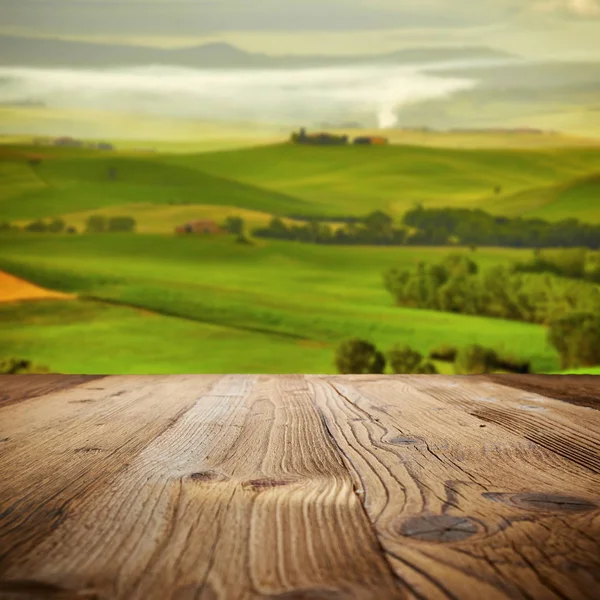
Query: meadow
<point>155,302</point>
<point>309,297</point>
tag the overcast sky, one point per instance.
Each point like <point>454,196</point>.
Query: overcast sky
<point>527,27</point>
<point>195,16</point>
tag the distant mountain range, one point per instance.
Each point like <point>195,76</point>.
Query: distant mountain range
<point>41,52</point>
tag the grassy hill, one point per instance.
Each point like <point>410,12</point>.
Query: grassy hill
<point>63,185</point>
<point>281,296</point>
<point>575,198</point>
<point>150,302</point>
<point>354,180</point>
<point>284,179</point>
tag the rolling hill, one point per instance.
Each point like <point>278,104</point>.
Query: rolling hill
<point>355,180</point>
<point>162,303</point>
<point>274,298</point>
<point>288,180</point>
<point>60,186</point>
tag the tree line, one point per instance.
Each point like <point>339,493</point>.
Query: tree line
<point>437,227</point>
<point>374,229</point>
<point>569,308</point>
<point>441,226</point>
<point>572,263</point>
<point>93,224</point>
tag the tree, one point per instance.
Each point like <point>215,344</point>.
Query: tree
<point>576,337</point>
<point>403,359</point>
<point>235,225</point>
<point>444,352</point>
<point>426,368</point>
<point>37,226</point>
<point>56,226</point>
<point>278,226</point>
<point>379,223</point>
<point>96,224</point>
<point>474,359</point>
<point>121,224</point>
<point>359,357</point>
<point>20,366</point>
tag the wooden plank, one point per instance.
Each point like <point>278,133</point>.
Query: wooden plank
<point>242,495</point>
<point>464,508</point>
<point>572,432</point>
<point>581,390</point>
<point>65,445</point>
<point>14,388</point>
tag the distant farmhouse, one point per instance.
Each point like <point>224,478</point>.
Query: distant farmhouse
<point>319,139</point>
<point>203,227</point>
<point>74,143</point>
<point>371,140</point>
<point>329,139</point>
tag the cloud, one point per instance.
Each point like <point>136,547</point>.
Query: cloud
<point>300,96</point>
<point>578,8</point>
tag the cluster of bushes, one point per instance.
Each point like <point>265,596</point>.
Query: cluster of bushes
<point>477,359</point>
<point>456,285</point>
<point>440,226</point>
<point>94,224</point>
<point>374,229</point>
<point>573,263</point>
<point>101,224</point>
<point>40,226</point>
<point>6,226</point>
<point>20,366</point>
<point>360,357</point>
<point>569,308</point>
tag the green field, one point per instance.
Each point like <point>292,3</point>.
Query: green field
<point>154,302</point>
<point>287,294</point>
<point>286,180</point>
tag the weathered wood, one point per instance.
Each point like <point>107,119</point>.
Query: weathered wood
<point>16,388</point>
<point>170,490</point>
<point>289,487</point>
<point>465,508</point>
<point>582,390</point>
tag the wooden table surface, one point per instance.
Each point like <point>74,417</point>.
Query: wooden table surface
<point>290,487</point>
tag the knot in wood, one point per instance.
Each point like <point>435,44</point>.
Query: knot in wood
<point>266,483</point>
<point>543,501</point>
<point>405,441</point>
<point>438,528</point>
<point>207,476</point>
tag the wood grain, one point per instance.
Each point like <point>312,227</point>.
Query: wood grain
<point>581,390</point>
<point>297,487</point>
<point>464,507</point>
<point>21,387</point>
<point>198,488</point>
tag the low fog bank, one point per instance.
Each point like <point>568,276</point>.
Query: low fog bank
<point>370,95</point>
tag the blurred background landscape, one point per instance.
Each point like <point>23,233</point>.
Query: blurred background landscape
<point>299,187</point>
